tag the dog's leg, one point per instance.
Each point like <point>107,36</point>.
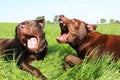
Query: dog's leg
<point>34,71</point>
<point>71,60</point>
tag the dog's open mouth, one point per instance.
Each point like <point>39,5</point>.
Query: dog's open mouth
<point>31,42</point>
<point>64,32</point>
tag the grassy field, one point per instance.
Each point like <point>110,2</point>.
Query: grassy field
<point>52,65</point>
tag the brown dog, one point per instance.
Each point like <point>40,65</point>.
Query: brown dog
<point>29,44</point>
<point>81,37</point>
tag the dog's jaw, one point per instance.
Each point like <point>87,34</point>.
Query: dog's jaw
<point>63,38</point>
<point>33,43</point>
<point>64,32</point>
<point>67,30</point>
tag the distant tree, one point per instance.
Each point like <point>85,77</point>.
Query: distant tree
<point>102,20</point>
<point>112,21</point>
<point>48,22</point>
<point>56,18</point>
<point>117,22</point>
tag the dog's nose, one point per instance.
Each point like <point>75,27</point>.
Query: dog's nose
<point>20,27</point>
<point>62,16</point>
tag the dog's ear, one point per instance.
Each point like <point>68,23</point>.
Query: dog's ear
<point>91,27</point>
<point>41,21</point>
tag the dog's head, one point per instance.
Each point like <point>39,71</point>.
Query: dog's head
<point>73,29</point>
<point>31,35</point>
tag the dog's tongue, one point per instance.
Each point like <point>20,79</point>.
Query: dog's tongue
<point>31,42</point>
<point>62,38</point>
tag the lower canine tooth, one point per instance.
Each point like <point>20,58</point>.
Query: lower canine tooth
<point>60,21</point>
<point>64,24</point>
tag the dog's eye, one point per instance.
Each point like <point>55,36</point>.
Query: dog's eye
<point>75,23</point>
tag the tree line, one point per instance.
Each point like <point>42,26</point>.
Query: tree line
<point>102,21</point>
<point>111,21</point>
<point>55,20</point>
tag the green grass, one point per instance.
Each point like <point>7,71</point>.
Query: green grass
<point>52,65</point>
<point>109,28</point>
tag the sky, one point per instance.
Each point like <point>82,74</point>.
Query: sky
<point>90,11</point>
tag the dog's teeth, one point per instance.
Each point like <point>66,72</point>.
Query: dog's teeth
<point>64,24</point>
<point>61,22</point>
<point>31,42</point>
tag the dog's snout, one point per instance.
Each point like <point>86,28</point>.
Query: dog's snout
<point>21,28</point>
<point>62,16</point>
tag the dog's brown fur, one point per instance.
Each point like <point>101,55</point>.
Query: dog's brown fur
<point>29,44</point>
<point>83,38</point>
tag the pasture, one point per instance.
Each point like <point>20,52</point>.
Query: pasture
<point>52,66</point>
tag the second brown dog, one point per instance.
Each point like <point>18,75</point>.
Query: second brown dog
<point>83,38</point>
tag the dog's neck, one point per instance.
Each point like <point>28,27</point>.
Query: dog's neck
<point>81,35</point>
<point>77,42</point>
<point>82,32</point>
